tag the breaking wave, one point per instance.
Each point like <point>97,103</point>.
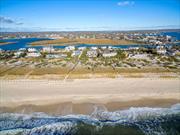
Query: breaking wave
<point>134,121</point>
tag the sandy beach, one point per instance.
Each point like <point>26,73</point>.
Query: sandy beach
<point>85,95</point>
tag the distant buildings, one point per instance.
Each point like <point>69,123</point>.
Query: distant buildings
<point>22,49</point>
<point>92,53</point>
<point>82,48</point>
<point>103,47</point>
<point>32,50</point>
<point>155,37</point>
<point>108,53</point>
<point>33,54</point>
<point>69,48</point>
<point>48,49</point>
<point>18,53</point>
<point>94,48</point>
<point>161,49</point>
<point>139,56</point>
<point>50,56</point>
<point>76,53</point>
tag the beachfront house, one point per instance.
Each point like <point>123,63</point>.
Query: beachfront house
<point>133,48</point>
<point>18,54</point>
<point>108,53</point>
<point>158,43</point>
<point>139,56</point>
<point>94,48</point>
<point>168,38</point>
<point>22,49</point>
<point>82,48</point>
<point>161,49</point>
<point>92,53</point>
<point>171,53</point>
<point>32,50</point>
<point>33,54</point>
<point>48,49</point>
<point>76,53</point>
<point>103,47</point>
<point>69,48</point>
<point>51,56</point>
<point>110,47</point>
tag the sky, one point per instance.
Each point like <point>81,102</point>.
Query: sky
<point>88,15</point>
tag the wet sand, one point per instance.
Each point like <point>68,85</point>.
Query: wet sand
<point>87,108</point>
<point>83,96</point>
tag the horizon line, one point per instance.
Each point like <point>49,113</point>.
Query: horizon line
<point>92,30</point>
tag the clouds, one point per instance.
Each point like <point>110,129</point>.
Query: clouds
<point>6,20</point>
<point>125,3</point>
<point>104,28</point>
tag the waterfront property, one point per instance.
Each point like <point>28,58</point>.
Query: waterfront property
<point>50,56</point>
<point>48,49</point>
<point>69,48</point>
<point>92,53</point>
<point>161,49</point>
<point>33,54</point>
<point>108,53</point>
<point>76,53</point>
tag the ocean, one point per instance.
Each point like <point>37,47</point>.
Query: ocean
<point>132,121</point>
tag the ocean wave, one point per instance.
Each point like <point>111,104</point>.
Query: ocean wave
<point>135,120</point>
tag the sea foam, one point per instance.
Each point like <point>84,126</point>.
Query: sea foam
<point>151,121</point>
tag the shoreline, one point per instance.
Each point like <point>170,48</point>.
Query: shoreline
<point>84,94</point>
<point>6,43</point>
<point>87,108</point>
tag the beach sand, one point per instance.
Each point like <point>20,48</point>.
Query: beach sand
<point>83,96</point>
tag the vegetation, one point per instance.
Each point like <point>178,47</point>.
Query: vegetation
<point>84,66</point>
<point>84,57</point>
<point>121,55</point>
<point>66,41</point>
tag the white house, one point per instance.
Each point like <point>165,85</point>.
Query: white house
<point>168,37</point>
<point>32,49</point>
<point>92,53</point>
<point>76,53</point>
<point>139,56</point>
<point>49,56</point>
<point>22,49</point>
<point>69,48</point>
<point>48,49</point>
<point>82,48</point>
<point>103,47</point>
<point>110,47</point>
<point>109,54</point>
<point>17,54</point>
<point>161,49</point>
<point>94,48</point>
<point>133,48</point>
<point>158,43</point>
<point>33,54</point>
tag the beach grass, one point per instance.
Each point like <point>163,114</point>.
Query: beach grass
<point>82,72</point>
